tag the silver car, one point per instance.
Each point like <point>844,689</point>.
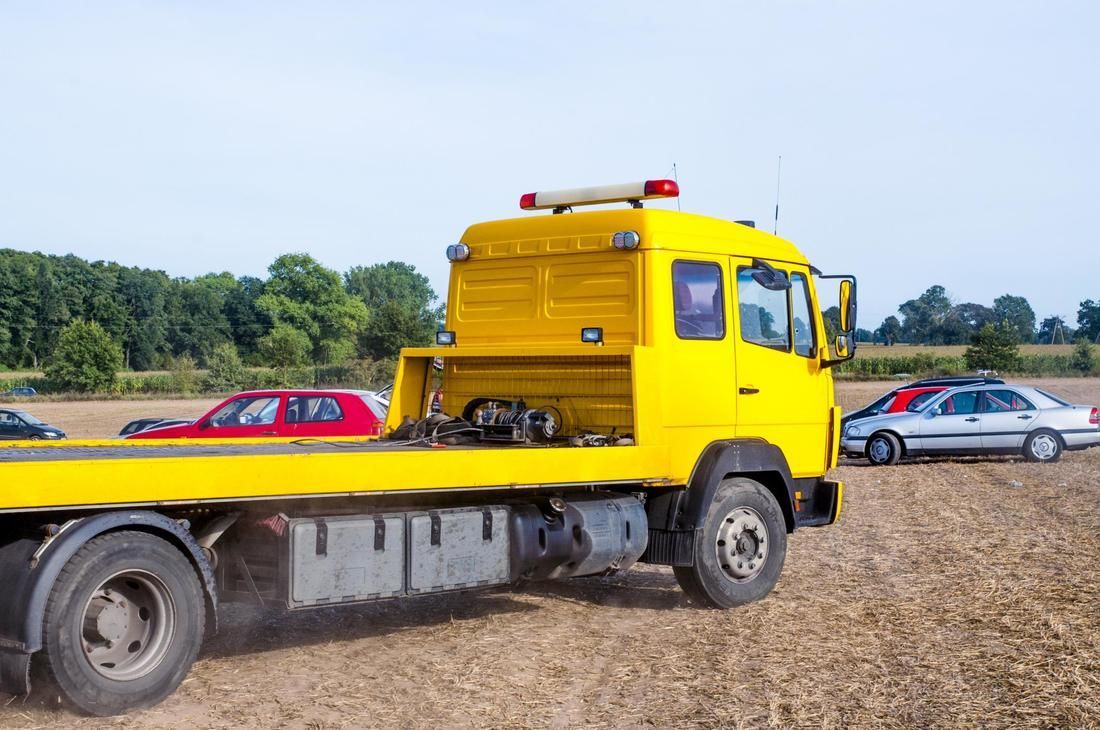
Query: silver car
<point>983,419</point>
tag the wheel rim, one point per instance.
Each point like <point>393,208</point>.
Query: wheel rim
<point>879,450</point>
<point>1044,446</point>
<point>742,544</point>
<point>128,625</point>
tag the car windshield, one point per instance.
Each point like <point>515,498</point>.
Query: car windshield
<point>28,418</point>
<point>1053,397</point>
<point>880,405</point>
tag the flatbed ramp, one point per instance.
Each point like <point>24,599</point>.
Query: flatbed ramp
<point>96,474</point>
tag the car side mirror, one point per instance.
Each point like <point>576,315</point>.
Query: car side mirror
<point>840,344</point>
<point>204,424</point>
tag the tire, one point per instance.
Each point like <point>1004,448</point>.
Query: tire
<point>883,449</point>
<point>34,437</point>
<point>743,519</point>
<point>124,623</point>
<point>1043,446</point>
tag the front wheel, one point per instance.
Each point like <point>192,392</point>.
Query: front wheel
<point>124,623</point>
<point>739,553</point>
<point>883,449</point>
<point>1043,446</point>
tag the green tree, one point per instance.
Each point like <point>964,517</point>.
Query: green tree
<point>1017,312</point>
<point>924,315</point>
<point>224,369</point>
<point>889,331</point>
<point>306,296</point>
<point>1088,320</point>
<point>85,359</point>
<point>286,347</point>
<point>994,347</point>
<point>1081,360</point>
<point>403,308</point>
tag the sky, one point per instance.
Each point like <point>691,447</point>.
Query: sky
<point>922,143</point>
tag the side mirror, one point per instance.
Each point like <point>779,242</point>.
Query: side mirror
<point>204,424</point>
<point>841,346</point>
<point>847,307</point>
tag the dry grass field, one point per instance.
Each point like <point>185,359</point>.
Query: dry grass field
<point>944,597</point>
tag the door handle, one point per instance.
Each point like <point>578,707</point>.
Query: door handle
<point>972,419</point>
<point>1024,417</point>
<point>748,391</point>
<point>269,433</point>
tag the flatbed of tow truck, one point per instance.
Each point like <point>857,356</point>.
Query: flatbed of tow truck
<point>105,473</point>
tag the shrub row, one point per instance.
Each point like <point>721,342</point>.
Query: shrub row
<point>930,365</point>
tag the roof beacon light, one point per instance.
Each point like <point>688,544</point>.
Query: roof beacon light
<point>458,252</point>
<point>633,193</point>
<point>626,240</point>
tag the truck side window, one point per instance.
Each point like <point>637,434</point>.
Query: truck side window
<point>803,322</point>
<point>765,319</point>
<point>697,301</point>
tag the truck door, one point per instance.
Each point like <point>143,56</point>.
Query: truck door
<point>782,391</point>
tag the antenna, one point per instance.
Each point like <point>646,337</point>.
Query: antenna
<point>778,179</point>
<point>677,179</point>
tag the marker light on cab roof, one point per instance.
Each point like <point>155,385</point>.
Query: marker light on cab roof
<point>626,192</point>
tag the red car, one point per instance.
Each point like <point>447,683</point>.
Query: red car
<point>911,397</point>
<point>283,413</point>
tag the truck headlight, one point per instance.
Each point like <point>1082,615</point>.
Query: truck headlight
<point>852,431</point>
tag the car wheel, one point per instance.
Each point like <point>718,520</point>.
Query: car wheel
<point>1043,446</point>
<point>883,449</point>
<point>740,551</point>
<point>34,437</point>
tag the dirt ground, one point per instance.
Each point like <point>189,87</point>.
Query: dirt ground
<point>943,597</point>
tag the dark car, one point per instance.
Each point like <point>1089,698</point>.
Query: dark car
<point>144,424</point>
<point>21,392</point>
<point>881,405</point>
<point>16,424</point>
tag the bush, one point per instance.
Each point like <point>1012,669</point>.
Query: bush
<point>185,376</point>
<point>85,359</point>
<point>1081,359</point>
<point>224,369</point>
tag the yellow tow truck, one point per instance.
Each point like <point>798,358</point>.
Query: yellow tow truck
<point>621,385</point>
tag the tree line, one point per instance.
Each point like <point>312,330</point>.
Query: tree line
<point>934,319</point>
<point>301,314</point>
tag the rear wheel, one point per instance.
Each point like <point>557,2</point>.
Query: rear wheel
<point>739,553</point>
<point>883,449</point>
<point>124,623</point>
<point>1043,446</point>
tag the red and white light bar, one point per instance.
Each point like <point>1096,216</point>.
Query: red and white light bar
<point>626,192</point>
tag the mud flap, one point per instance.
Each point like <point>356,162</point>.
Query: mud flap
<point>15,672</point>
